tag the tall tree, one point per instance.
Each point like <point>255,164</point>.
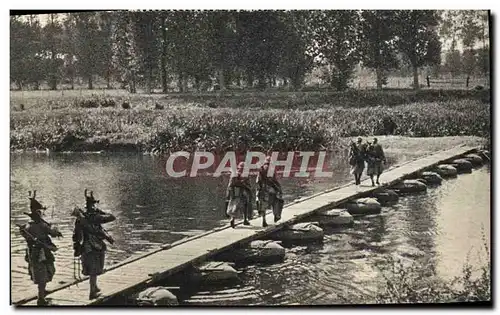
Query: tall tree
<point>145,28</point>
<point>222,37</point>
<point>105,65</point>
<point>418,39</point>
<point>260,44</point>
<point>469,59</point>
<point>69,47</point>
<point>35,59</point>
<point>87,48</point>
<point>336,34</point>
<point>296,59</point>
<point>164,51</point>
<point>125,53</point>
<point>453,62</point>
<point>19,51</point>
<point>52,47</point>
<point>377,44</point>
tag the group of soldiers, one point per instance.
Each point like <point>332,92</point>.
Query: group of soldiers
<point>88,244</point>
<point>89,236</point>
<point>239,187</point>
<point>370,153</point>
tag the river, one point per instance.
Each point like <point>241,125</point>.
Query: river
<point>443,226</point>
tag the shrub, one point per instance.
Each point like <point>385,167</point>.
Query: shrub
<point>218,129</point>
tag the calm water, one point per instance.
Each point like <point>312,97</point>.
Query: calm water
<point>442,227</point>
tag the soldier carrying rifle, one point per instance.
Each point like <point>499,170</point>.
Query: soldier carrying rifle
<point>88,240</point>
<point>39,254</point>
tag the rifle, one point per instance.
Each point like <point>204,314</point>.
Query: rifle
<point>79,213</point>
<point>50,247</point>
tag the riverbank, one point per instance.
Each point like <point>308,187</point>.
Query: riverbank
<point>271,98</point>
<point>218,129</point>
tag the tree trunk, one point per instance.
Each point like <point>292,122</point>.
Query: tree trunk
<point>262,82</point>
<point>378,73</point>
<point>53,79</point>
<point>416,86</point>
<point>180,83</point>
<point>164,57</point>
<point>132,83</point>
<point>149,79</point>
<point>108,79</point>
<point>222,81</point>
<point>90,86</point>
<point>250,80</point>
<point>197,83</point>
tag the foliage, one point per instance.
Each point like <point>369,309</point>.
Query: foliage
<point>418,39</point>
<point>337,36</point>
<point>378,49</point>
<point>216,129</point>
<point>87,45</point>
<point>233,48</point>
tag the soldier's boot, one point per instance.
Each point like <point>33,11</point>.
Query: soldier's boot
<point>42,302</point>
<point>94,295</point>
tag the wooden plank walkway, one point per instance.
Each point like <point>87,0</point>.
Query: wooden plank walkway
<point>138,272</point>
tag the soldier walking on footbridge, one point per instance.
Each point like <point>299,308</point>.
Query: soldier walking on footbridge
<point>88,240</point>
<point>39,254</point>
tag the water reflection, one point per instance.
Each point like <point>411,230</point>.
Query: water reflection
<point>152,210</point>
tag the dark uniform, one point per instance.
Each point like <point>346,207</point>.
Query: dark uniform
<point>39,254</point>
<point>357,156</point>
<point>375,157</point>
<point>88,241</point>
<point>264,181</point>
<point>239,189</point>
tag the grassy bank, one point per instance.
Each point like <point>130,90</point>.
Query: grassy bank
<point>276,99</point>
<point>190,127</point>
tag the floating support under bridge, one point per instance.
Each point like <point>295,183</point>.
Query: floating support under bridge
<point>134,274</point>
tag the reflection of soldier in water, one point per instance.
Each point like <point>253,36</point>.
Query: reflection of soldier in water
<point>39,254</point>
<point>88,241</point>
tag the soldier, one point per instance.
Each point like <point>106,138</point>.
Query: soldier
<point>263,183</point>
<point>39,254</point>
<point>88,240</point>
<point>357,157</point>
<point>263,179</point>
<point>375,157</point>
<point>243,183</point>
